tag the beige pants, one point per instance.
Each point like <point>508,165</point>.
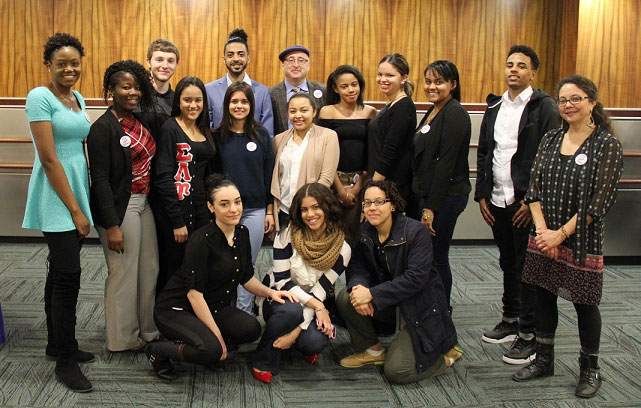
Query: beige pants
<point>130,287</point>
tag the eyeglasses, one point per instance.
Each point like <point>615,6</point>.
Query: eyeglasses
<point>378,202</point>
<point>299,60</point>
<point>574,100</point>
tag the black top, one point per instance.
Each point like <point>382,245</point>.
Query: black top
<point>163,102</point>
<point>249,165</point>
<point>110,164</point>
<point>211,267</point>
<point>181,166</point>
<point>352,140</point>
<point>440,160</point>
<point>389,136</point>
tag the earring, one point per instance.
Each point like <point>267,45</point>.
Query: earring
<point>591,121</point>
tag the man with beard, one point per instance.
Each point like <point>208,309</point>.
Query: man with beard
<point>236,58</point>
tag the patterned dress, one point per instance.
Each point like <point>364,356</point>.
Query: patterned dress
<point>583,183</point>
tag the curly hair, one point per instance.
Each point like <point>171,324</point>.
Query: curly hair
<point>140,74</point>
<point>59,40</point>
<point>391,192</point>
<point>332,96</point>
<point>327,202</point>
<point>527,51</point>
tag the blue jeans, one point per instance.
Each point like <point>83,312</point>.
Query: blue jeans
<point>254,220</point>
<point>444,223</point>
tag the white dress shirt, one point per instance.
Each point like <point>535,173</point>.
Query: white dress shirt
<point>289,167</point>
<point>506,140</point>
<point>246,79</point>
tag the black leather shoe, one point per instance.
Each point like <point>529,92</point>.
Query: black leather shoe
<point>542,366</point>
<point>162,366</point>
<point>71,376</point>
<point>589,377</point>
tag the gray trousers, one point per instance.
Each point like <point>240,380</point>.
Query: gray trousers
<point>130,287</point>
<point>400,363</point>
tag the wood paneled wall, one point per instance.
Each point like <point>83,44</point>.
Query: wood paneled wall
<point>475,34</point>
<point>609,49</point>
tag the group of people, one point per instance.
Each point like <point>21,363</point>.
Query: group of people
<point>184,185</point>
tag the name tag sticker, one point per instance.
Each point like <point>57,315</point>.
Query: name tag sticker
<point>251,146</point>
<point>318,94</point>
<point>425,129</point>
<point>581,159</point>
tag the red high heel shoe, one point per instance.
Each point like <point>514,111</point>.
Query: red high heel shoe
<point>311,358</point>
<point>262,376</point>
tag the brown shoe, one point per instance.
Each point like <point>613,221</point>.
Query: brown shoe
<point>452,356</point>
<point>362,359</point>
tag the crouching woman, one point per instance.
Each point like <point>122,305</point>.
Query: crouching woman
<point>392,272</point>
<point>194,311</point>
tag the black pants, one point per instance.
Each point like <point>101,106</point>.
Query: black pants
<point>201,345</point>
<point>444,223</point>
<point>61,292</point>
<point>282,319</point>
<point>519,299</point>
<point>588,316</point>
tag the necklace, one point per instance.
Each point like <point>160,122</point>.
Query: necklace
<point>59,96</point>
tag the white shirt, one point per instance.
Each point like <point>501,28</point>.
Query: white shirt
<point>246,80</point>
<point>506,140</point>
<point>289,167</point>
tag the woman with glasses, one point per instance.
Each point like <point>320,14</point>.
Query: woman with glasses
<point>573,185</point>
<point>441,173</point>
<point>346,114</point>
<point>391,271</point>
<point>194,312</point>
<point>309,255</point>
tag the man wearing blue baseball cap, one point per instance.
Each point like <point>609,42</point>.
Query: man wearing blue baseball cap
<point>296,63</point>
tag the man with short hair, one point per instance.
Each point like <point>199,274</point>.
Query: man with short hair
<point>513,125</point>
<point>295,60</point>
<point>236,59</point>
<point>162,59</point>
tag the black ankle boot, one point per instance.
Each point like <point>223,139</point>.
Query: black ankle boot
<point>70,375</point>
<point>160,355</point>
<point>542,366</point>
<point>589,377</point>
<point>81,356</point>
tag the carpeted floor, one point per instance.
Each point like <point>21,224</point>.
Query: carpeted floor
<point>479,380</point>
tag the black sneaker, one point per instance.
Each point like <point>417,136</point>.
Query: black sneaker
<point>502,333</point>
<point>521,352</point>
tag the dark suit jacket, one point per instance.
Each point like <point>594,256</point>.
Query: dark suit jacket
<point>439,164</point>
<point>278,95</point>
<point>110,167</point>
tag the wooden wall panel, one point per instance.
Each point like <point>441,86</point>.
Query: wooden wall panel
<point>475,34</point>
<point>608,50</point>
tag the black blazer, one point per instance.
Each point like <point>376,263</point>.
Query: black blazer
<point>110,167</point>
<point>440,165</point>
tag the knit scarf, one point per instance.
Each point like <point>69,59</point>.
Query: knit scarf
<point>320,253</point>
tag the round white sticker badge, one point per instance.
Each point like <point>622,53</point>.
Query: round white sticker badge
<point>318,94</point>
<point>251,146</point>
<point>425,129</point>
<point>581,159</point>
<point>87,117</point>
<point>125,141</point>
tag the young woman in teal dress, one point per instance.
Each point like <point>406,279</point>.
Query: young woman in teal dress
<point>58,198</point>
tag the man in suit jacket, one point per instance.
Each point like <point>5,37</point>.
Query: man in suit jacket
<point>236,59</point>
<point>295,61</point>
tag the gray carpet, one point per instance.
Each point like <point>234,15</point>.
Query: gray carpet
<point>479,380</point>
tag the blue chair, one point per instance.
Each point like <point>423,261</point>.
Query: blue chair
<point>2,338</point>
